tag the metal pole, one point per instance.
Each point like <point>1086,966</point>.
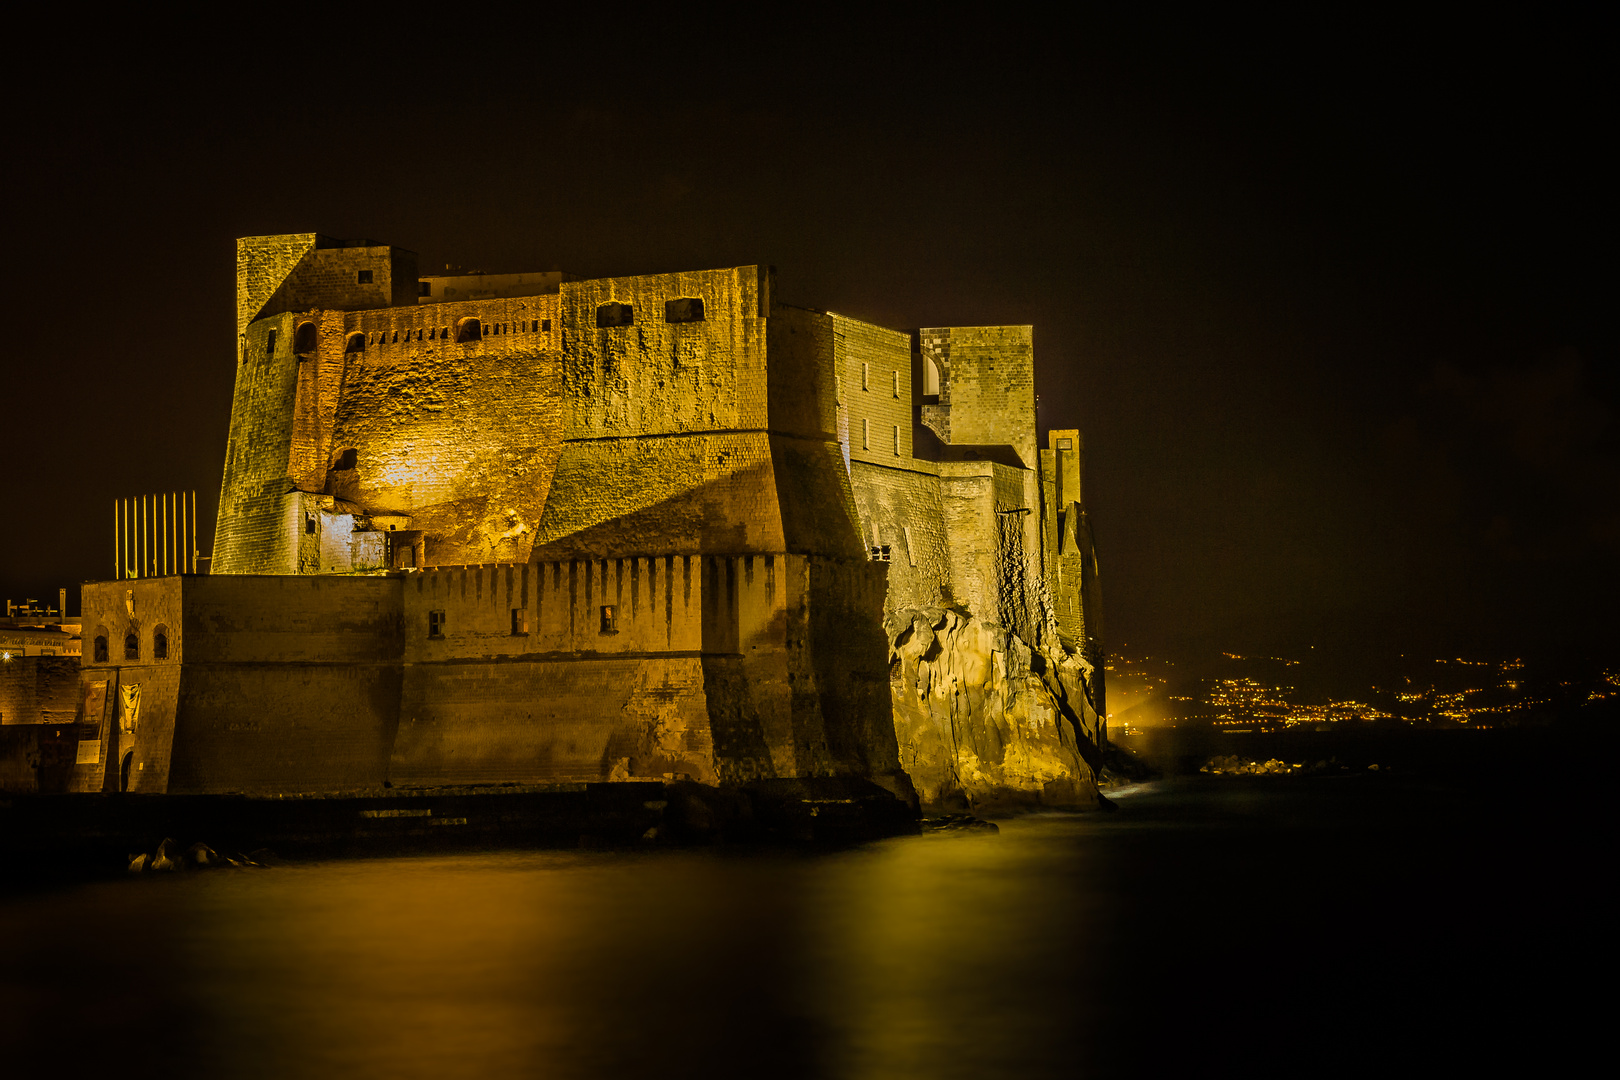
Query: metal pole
<point>116,574</point>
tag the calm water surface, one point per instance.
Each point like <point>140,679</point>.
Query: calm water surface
<point>1235,926</point>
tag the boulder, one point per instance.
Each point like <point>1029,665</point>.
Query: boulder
<point>167,857</point>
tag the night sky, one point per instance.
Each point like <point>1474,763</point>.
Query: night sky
<point>1323,297</point>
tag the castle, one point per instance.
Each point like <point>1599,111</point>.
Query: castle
<point>498,529</point>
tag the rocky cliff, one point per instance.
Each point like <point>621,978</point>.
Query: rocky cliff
<point>983,720</point>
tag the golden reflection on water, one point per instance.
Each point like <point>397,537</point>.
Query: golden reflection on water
<point>953,954</point>
<point>942,955</point>
<point>1210,922</point>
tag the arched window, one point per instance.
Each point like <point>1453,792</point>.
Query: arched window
<point>304,338</point>
<point>160,643</point>
<point>468,330</point>
<point>101,649</point>
<point>356,343</point>
<point>132,647</point>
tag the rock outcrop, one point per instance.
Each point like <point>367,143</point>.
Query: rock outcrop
<point>985,721</point>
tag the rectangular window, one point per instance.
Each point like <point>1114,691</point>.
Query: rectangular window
<point>866,376</point>
<point>365,277</point>
<point>309,524</point>
<point>609,620</point>
<point>435,624</point>
<point>881,553</point>
<point>686,309</point>
<point>520,622</point>
<point>897,384</point>
<point>866,434</point>
<point>545,326</point>
<point>897,439</point>
<point>610,315</point>
<point>424,288</point>
<point>1065,444</point>
<point>270,344</point>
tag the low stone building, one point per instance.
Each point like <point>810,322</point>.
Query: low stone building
<point>528,529</point>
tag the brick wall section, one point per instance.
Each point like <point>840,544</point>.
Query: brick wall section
<point>875,390</point>
<point>987,392</point>
<point>39,689</point>
<point>903,508</point>
<point>800,367</point>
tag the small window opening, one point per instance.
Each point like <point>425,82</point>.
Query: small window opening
<point>424,288</point>
<point>1065,444</point>
<point>356,343</point>
<point>882,553</point>
<point>866,434</point>
<point>365,277</point>
<point>160,645</point>
<point>866,376</point>
<point>435,624</point>
<point>270,344</point>
<point>396,337</point>
<point>304,338</point>
<point>132,647</point>
<point>520,622</point>
<point>101,650</point>
<point>468,330</point>
<point>545,325</point>
<point>897,438</point>
<point>309,524</point>
<point>608,315</point>
<point>685,309</point>
<point>609,619</point>
<point>896,384</point>
<point>347,460</point>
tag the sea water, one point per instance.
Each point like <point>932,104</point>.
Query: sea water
<point>1234,926</point>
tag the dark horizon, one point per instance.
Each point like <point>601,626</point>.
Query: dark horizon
<point>1329,320</point>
